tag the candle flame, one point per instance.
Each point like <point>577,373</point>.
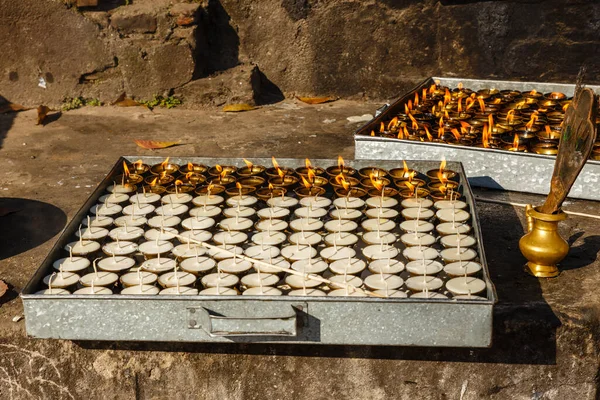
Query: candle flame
<point>456,133</point>
<point>248,164</point>
<point>443,178</point>
<point>415,125</point>
<point>341,180</point>
<point>154,182</point>
<point>219,168</point>
<point>459,108</point>
<point>446,114</point>
<point>405,173</point>
<point>564,108</point>
<point>306,183</point>
<point>410,105</point>
<point>238,185</point>
<point>465,125</point>
<point>510,116</point>
<point>442,165</point>
<point>533,92</point>
<point>516,142</point>
<point>406,110</point>
<point>469,103</point>
<point>280,172</point>
<point>447,97</point>
<point>393,123</point>
<point>443,189</point>
<point>125,169</point>
<point>460,86</point>
<point>410,187</point>
<point>432,88</point>
<point>400,134</point>
<point>270,186</point>
<point>486,140</point>
<point>424,94</point>
<point>190,166</point>
<point>548,129</point>
<point>223,174</point>
<point>491,122</point>
<point>416,98</point>
<point>307,164</point>
<point>497,101</point>
<point>139,164</point>
<point>163,174</point>
<point>381,127</point>
<point>411,176</point>
<point>377,183</point>
<point>534,118</point>
<point>275,163</point>
<point>210,187</point>
<point>405,131</point>
<point>188,175</point>
<point>441,122</point>
<point>372,133</point>
<point>178,182</point>
<point>164,163</point>
<point>440,132</point>
<point>341,163</point>
<point>311,175</point>
<point>429,137</point>
<point>481,104</point>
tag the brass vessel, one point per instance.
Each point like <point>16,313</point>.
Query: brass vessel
<point>542,246</point>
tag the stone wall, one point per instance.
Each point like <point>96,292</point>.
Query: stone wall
<point>350,48</point>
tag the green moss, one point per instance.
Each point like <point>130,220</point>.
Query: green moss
<point>160,101</point>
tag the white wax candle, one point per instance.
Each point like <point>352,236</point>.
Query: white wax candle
<point>414,202</point>
<point>202,223</point>
<point>131,220</point>
<point>346,280</point>
<point>378,237</point>
<point>219,279</point>
<point>306,224</point>
<point>341,225</point>
<point>177,198</point>
<point>349,202</point>
<point>383,202</point>
<point>428,295</point>
<point>387,213</point>
<point>452,215</point>
<point>236,224</point>
<point>284,201</point>
<point>461,268</point>
<point>126,233</point>
<point>138,210</point>
<point>135,278</point>
<point>164,234</point>
<point>256,280</point>
<point>179,291</point>
<point>92,233</point>
<point>82,247</point>
<point>310,266</point>
<point>188,251</point>
<point>141,290</point>
<point>307,212</point>
<point>224,251</point>
<point>230,237</point>
<point>264,291</point>
<point>416,225</point>
<point>424,267</point>
<point>296,252</point>
<point>121,248</point>
<point>234,266</point>
<point>116,264</point>
<point>414,213</point>
<point>350,266</point>
<point>273,212</point>
<point>244,200</point>
<point>341,239</point>
<point>453,254</point>
<point>448,228</point>
<point>424,282</point>
<point>392,293</point>
<point>420,252</point>
<point>169,279</point>
<point>61,280</point>
<point>468,297</point>
<point>453,240</point>
<point>153,248</point>
<point>386,266</point>
<point>208,211</point>
<point>271,225</point>
<point>198,266</point>
<point>121,188</point>
<point>162,221</point>
<point>113,198</point>
<point>71,264</point>
<point>100,278</point>
<point>99,221</point>
<point>206,200</point>
<point>93,290</point>
<point>195,236</point>
<point>172,209</point>
<point>315,202</point>
<point>299,282</point>
<point>53,291</point>
<point>278,263</point>
<point>159,265</point>
<point>305,238</point>
<point>379,252</point>
<point>465,285</point>
<point>144,198</point>
<point>383,281</point>
<point>242,212</point>
<point>106,209</point>
<point>219,291</point>
<point>269,238</point>
<point>456,204</point>
<point>346,293</point>
<point>307,292</point>
<point>345,213</point>
<point>378,224</point>
<point>417,239</point>
<point>335,253</point>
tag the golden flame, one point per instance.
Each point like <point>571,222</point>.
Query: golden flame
<point>306,183</point>
<point>163,174</point>
<point>564,108</point>
<point>154,182</point>
<point>341,163</point>
<point>411,176</point>
<point>533,92</point>
<point>164,163</point>
<point>400,134</point>
<point>497,101</point>
<point>377,183</point>
<point>406,110</point>
<point>238,185</point>
<point>433,109</point>
<point>460,86</point>
<point>275,163</point>
<point>372,133</point>
<point>405,131</point>
<point>446,114</point>
<point>443,189</point>
<point>491,122</point>
<point>405,168</point>
<point>481,104</point>
<point>424,94</point>
<point>432,88</point>
<point>510,116</point>
<point>516,142</point>
<point>410,187</point>
<point>307,164</point>
<point>416,98</point>
<point>190,166</point>
<point>465,125</point>
<point>534,118</point>
<point>223,174</point>
<point>280,173</point>
<point>210,187</point>
<point>248,164</point>
<point>410,105</point>
<point>486,140</point>
<point>270,186</point>
<point>382,127</point>
<point>440,132</point>
<point>441,122</point>
<point>548,129</point>
<point>219,168</point>
<point>443,165</point>
<point>393,123</point>
<point>189,175</point>
<point>311,175</point>
<point>469,103</point>
<point>456,133</point>
<point>460,109</point>
<point>341,180</point>
<point>447,97</point>
<point>415,125</point>
<point>443,178</point>
<point>138,164</point>
<point>429,137</point>
<point>178,182</point>
<point>125,169</point>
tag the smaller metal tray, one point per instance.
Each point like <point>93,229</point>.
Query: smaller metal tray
<point>261,319</point>
<point>491,168</point>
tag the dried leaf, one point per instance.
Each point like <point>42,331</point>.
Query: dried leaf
<point>42,112</point>
<point>123,101</point>
<point>316,100</point>
<point>3,288</point>
<point>11,107</point>
<point>154,144</point>
<point>238,107</point>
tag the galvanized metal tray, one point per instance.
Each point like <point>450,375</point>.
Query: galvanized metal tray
<point>497,169</point>
<point>259,319</point>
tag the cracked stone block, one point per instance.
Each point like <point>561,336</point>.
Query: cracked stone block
<point>240,84</point>
<point>134,19</point>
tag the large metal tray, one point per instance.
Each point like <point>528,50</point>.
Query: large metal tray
<point>497,169</point>
<point>301,320</point>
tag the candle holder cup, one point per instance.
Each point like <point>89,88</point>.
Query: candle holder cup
<point>215,189</point>
<point>309,192</point>
<point>266,193</point>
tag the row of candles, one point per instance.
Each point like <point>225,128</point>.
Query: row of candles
<point>488,118</point>
<point>338,258</point>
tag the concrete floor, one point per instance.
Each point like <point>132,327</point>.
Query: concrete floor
<point>545,331</point>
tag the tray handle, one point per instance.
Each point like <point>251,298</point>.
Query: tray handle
<point>223,326</point>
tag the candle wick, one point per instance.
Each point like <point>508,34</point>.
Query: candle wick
<point>70,253</point>
<point>50,281</point>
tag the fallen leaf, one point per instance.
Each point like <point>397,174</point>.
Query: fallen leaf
<point>11,107</point>
<point>316,100</point>
<point>123,101</point>
<point>238,107</point>
<point>42,112</point>
<point>3,288</point>
<point>154,144</point>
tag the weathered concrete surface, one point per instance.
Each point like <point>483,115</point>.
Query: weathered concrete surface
<point>545,333</point>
